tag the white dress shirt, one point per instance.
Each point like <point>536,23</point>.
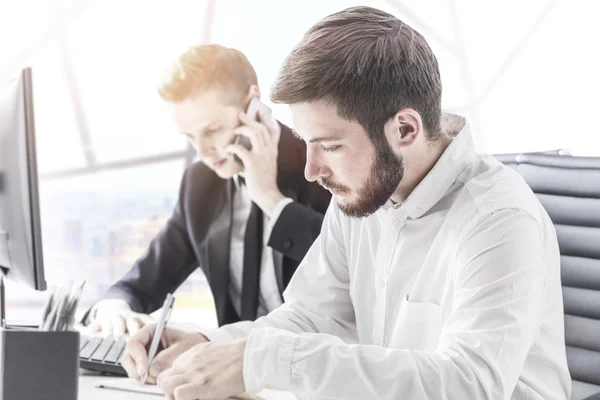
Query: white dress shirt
<point>454,294</point>
<point>269,297</point>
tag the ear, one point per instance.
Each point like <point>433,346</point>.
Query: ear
<point>254,91</point>
<point>404,128</point>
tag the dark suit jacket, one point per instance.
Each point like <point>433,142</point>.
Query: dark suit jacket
<point>199,231</point>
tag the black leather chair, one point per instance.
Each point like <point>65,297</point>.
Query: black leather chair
<point>569,189</point>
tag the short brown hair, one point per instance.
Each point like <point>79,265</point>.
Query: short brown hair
<point>369,64</point>
<point>206,67</point>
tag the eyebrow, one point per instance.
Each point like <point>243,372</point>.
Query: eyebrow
<point>324,139</point>
<point>317,140</point>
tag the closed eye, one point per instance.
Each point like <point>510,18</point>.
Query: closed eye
<point>212,131</point>
<point>331,148</point>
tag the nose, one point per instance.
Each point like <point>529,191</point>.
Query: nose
<point>315,168</point>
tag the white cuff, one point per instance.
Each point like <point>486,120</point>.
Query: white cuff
<point>281,204</point>
<point>268,360</point>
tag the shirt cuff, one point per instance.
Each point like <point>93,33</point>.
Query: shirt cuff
<point>281,204</point>
<point>268,360</point>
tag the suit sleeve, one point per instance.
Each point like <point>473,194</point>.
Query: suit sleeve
<point>295,230</point>
<point>167,263</point>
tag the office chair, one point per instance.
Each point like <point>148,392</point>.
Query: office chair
<point>569,189</point>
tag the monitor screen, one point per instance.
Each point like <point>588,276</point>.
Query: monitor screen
<point>21,257</point>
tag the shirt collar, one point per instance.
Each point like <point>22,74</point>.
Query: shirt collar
<point>442,176</point>
<point>238,179</point>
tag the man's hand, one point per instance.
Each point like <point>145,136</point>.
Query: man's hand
<point>113,317</point>
<point>260,163</point>
<point>173,343</point>
<point>211,370</point>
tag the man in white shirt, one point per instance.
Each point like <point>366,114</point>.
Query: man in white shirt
<point>436,274</point>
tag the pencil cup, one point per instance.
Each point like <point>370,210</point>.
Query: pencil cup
<point>38,365</point>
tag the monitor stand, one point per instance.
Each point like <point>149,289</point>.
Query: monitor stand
<point>5,264</point>
<point>2,303</point>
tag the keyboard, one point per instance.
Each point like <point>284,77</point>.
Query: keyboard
<point>101,354</point>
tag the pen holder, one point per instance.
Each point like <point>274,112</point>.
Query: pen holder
<point>38,365</point>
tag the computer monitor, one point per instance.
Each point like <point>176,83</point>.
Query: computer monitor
<point>21,257</point>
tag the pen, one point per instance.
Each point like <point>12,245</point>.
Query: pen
<point>61,305</point>
<point>52,315</point>
<point>47,309</point>
<point>73,303</point>
<point>160,326</point>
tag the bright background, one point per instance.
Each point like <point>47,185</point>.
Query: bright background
<point>110,160</point>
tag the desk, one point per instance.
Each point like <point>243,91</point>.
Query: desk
<point>87,391</point>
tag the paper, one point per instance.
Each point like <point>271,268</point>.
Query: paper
<point>130,385</point>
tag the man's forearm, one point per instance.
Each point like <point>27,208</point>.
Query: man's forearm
<point>326,367</point>
<point>281,318</point>
<point>288,317</point>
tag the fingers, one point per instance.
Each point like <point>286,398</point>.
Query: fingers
<point>139,356</point>
<point>118,327</point>
<point>246,120</point>
<point>170,380</point>
<point>105,317</point>
<point>106,327</point>
<point>273,127</point>
<point>94,327</point>
<point>265,131</point>
<point>258,138</point>
<point>144,335</point>
<point>187,391</point>
<point>135,373</point>
<point>145,318</point>
<point>136,349</point>
<point>130,368</point>
<point>240,151</point>
<point>167,357</point>
<point>134,324</point>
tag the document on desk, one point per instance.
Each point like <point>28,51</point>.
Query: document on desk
<point>130,385</point>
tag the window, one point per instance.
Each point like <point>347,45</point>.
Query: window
<point>111,160</point>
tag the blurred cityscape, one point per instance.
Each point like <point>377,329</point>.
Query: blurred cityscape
<point>97,237</point>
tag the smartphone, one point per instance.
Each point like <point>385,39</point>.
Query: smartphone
<point>252,112</point>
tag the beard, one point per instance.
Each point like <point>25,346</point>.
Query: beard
<point>385,176</point>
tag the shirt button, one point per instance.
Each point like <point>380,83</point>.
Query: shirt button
<point>381,282</point>
<point>287,244</point>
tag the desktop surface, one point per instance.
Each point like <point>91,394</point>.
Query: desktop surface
<point>88,391</point>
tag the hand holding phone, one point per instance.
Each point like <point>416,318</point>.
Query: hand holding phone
<point>260,133</point>
<point>252,111</point>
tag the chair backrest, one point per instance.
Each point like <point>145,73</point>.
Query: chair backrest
<point>569,189</point>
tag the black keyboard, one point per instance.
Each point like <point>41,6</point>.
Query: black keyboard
<point>101,354</point>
